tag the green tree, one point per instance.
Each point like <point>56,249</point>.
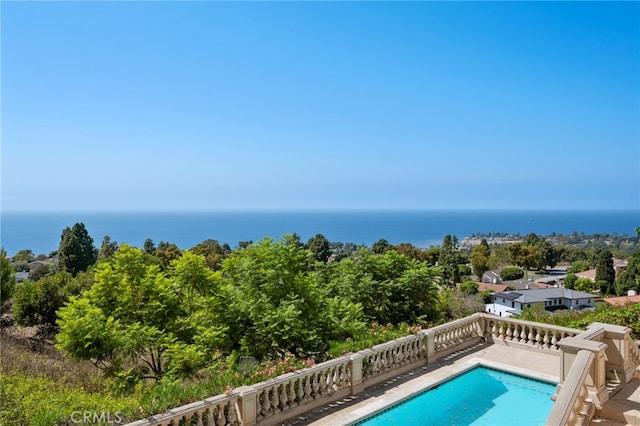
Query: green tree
<point>391,287</point>
<point>128,323</point>
<point>76,251</point>
<point>381,246</point>
<point>585,284</point>
<point>448,261</point>
<point>579,266</point>
<point>480,259</point>
<point>469,287</point>
<point>42,270</point>
<point>412,252</point>
<point>629,279</point>
<point>167,252</point>
<point>193,277</point>
<point>604,270</point>
<point>525,256</point>
<point>107,248</point>
<point>212,252</point>
<point>277,305</point>
<point>548,255</point>
<point>7,279</point>
<point>149,246</point>
<point>36,302</point>
<point>24,256</point>
<point>319,246</point>
<point>570,280</point>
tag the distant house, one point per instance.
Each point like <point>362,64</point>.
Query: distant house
<point>590,273</point>
<point>619,265</point>
<point>622,300</point>
<point>21,276</point>
<point>491,287</point>
<point>491,277</point>
<point>509,303</point>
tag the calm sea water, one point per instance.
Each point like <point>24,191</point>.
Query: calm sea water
<point>40,232</point>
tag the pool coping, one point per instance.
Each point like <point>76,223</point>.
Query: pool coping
<point>425,385</point>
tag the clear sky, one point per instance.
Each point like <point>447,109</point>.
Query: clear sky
<point>327,105</point>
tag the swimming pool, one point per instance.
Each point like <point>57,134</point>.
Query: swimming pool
<point>480,396</point>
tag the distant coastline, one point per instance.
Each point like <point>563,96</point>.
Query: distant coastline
<point>40,232</point>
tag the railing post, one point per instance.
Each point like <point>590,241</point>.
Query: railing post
<point>596,381</point>
<point>619,365</point>
<point>247,405</point>
<point>355,362</point>
<point>431,346</point>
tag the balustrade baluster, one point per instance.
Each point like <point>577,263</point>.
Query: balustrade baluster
<point>210,416</point>
<point>538,338</point>
<point>315,385</point>
<point>233,417</point>
<point>508,336</point>
<point>554,341</point>
<point>199,418</point>
<point>523,334</point>
<point>275,400</point>
<point>219,418</point>
<point>292,393</point>
<point>337,377</point>
<point>307,388</point>
<point>284,397</point>
<point>300,391</point>
<point>266,403</point>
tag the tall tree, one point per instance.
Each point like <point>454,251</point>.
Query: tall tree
<point>167,252</point>
<point>605,273</point>
<point>24,256</point>
<point>7,278</point>
<point>319,246</point>
<point>76,251</point>
<point>108,248</point>
<point>525,256</point>
<point>381,246</point>
<point>480,259</point>
<point>149,246</point>
<point>629,279</point>
<point>548,254</point>
<point>448,261</point>
<point>212,252</point>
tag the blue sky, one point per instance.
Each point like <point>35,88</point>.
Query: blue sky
<point>303,105</point>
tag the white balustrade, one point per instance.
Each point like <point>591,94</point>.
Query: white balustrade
<point>573,405</point>
<point>544,336</point>
<point>220,410</point>
<point>291,390</point>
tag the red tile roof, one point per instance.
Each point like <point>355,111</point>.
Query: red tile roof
<point>491,287</point>
<point>622,300</point>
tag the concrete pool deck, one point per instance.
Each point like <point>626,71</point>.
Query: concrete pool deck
<point>539,365</point>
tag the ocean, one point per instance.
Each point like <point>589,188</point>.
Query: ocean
<point>41,232</point>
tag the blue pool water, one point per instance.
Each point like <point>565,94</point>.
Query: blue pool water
<point>481,396</point>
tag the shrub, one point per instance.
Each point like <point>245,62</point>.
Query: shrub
<point>469,287</point>
<point>570,280</point>
<point>511,273</point>
<point>578,266</point>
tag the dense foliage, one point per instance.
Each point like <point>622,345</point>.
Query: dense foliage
<point>7,279</point>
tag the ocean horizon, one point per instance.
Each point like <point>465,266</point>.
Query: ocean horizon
<point>41,231</point>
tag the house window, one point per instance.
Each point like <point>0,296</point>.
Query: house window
<point>513,305</point>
